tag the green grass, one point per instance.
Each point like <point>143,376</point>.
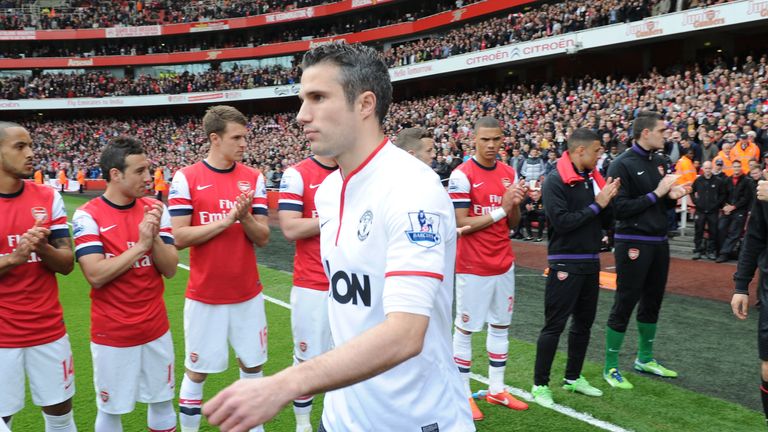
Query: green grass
<point>654,405</point>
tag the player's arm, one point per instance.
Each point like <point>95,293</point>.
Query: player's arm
<point>165,256</point>
<point>754,246</point>
<point>57,255</point>
<point>247,403</point>
<point>96,267</point>
<point>186,235</point>
<point>626,205</point>
<point>256,228</point>
<point>295,226</point>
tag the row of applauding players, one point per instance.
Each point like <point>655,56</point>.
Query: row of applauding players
<point>380,272</point>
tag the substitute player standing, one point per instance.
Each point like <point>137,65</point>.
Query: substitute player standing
<point>35,246</point>
<point>486,196</point>
<point>219,209</point>
<point>388,248</point>
<point>124,245</point>
<point>641,247</point>
<point>577,196</point>
<point>309,294</point>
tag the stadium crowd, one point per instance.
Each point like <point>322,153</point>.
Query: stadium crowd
<point>541,21</point>
<point>710,110</point>
<point>82,14</point>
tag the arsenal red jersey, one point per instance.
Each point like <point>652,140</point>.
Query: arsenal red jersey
<point>128,310</point>
<point>297,193</point>
<point>223,269</point>
<point>30,312</point>
<point>486,252</point>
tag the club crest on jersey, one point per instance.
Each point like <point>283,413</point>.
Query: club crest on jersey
<point>40,214</point>
<point>303,346</point>
<point>424,229</point>
<point>364,227</point>
<point>104,396</point>
<point>633,253</point>
<point>243,186</point>
<point>506,182</point>
<point>193,357</point>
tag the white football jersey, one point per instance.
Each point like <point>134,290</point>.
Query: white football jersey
<point>388,244</point>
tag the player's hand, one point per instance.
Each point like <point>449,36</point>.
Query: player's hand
<point>244,203</point>
<point>26,246</point>
<point>762,190</point>
<point>609,191</point>
<point>460,231</point>
<point>666,184</point>
<point>246,403</point>
<point>149,227</point>
<point>679,191</point>
<point>514,196</point>
<point>740,305</point>
<point>154,214</point>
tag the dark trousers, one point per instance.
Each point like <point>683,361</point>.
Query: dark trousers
<point>730,228</point>
<point>566,295</point>
<point>710,221</point>
<point>641,277</point>
<point>535,216</point>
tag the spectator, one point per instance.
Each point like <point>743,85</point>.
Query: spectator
<point>737,204</point>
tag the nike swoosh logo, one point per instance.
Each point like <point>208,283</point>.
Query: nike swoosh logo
<point>613,350</point>
<point>504,402</point>
<point>314,186</point>
<point>640,172</point>
<point>66,387</point>
<point>105,229</point>
<point>323,224</point>
<point>203,187</point>
<point>477,185</point>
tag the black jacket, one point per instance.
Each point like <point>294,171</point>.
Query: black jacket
<point>575,223</point>
<point>740,194</point>
<point>753,252</point>
<point>639,212</point>
<point>708,194</point>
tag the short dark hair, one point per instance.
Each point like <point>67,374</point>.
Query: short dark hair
<point>5,125</point>
<point>115,153</point>
<point>361,69</point>
<point>644,120</point>
<point>410,138</point>
<point>581,137</point>
<point>217,117</point>
<point>487,122</point>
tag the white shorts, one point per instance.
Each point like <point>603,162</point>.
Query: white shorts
<point>50,370</point>
<point>309,322</point>
<point>481,299</point>
<point>123,376</point>
<point>208,328</point>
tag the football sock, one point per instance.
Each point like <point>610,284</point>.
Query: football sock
<point>190,402</point>
<point>497,344</point>
<point>613,342</point>
<point>107,422</point>
<point>63,423</point>
<point>255,375</point>
<point>161,417</point>
<point>462,356</point>
<point>646,332</point>
<point>302,407</point>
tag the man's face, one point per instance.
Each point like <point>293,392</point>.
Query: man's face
<point>588,155</point>
<point>736,169</point>
<point>132,181</point>
<point>756,174</point>
<point>488,141</point>
<point>16,156</point>
<point>329,122</point>
<point>706,169</point>
<point>231,144</point>
<point>427,151</point>
<point>655,137</point>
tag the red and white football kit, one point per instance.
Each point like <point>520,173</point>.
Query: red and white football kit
<point>485,280</point>
<point>388,245</point>
<point>223,300</point>
<point>33,340</point>
<point>130,340</point>
<point>309,295</point>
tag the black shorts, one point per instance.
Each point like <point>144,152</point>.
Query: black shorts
<point>762,322</point>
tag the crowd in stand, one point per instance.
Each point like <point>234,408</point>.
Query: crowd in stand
<point>716,114</point>
<point>540,21</point>
<point>102,84</point>
<point>81,14</point>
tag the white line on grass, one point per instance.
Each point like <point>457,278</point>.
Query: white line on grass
<point>562,409</point>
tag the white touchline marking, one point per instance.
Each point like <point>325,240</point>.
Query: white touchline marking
<point>562,409</point>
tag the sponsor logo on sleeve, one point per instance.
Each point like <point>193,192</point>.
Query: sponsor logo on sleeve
<point>424,229</point>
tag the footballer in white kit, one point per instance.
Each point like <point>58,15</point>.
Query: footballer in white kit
<point>392,254</point>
